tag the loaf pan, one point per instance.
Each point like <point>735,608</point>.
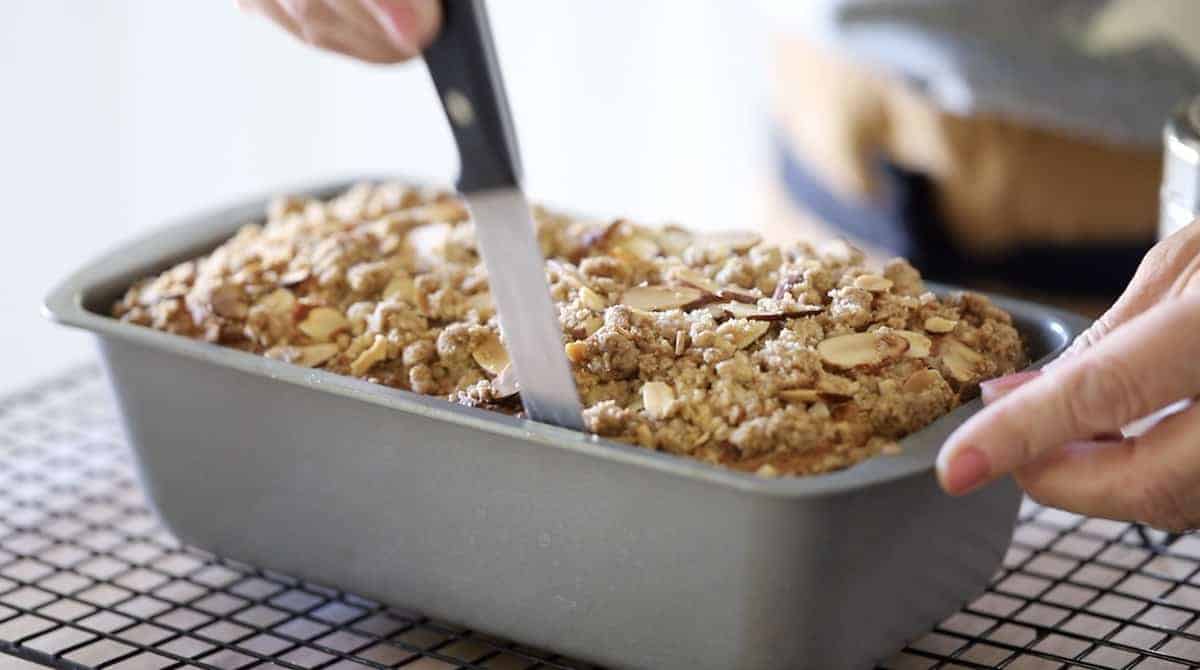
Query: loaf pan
<point>598,550</point>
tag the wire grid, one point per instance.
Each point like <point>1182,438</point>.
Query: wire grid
<point>88,579</point>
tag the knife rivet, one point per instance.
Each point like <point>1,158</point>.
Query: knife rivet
<point>461,112</point>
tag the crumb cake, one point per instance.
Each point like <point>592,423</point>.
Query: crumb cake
<point>778,360</point>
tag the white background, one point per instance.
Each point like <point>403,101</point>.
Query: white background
<point>116,115</point>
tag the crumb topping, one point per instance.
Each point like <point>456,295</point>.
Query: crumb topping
<point>776,360</point>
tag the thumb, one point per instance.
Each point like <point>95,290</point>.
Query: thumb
<point>410,24</point>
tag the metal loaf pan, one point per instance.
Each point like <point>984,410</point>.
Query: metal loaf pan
<point>598,550</point>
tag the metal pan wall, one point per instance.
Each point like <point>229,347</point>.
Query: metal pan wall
<point>603,551</point>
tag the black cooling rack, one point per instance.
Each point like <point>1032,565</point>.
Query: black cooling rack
<point>88,579</point>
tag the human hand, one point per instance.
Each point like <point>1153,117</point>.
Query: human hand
<point>1058,431</point>
<point>376,31</point>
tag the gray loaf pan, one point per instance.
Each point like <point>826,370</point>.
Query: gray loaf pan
<point>597,550</point>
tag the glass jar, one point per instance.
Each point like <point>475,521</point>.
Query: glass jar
<point>1180,195</point>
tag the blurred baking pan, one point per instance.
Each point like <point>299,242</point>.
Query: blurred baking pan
<point>598,550</point>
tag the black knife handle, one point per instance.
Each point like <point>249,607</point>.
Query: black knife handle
<point>462,62</point>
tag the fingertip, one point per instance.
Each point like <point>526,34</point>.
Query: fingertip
<point>410,24</point>
<point>963,469</point>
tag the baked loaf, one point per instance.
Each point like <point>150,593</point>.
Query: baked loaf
<point>774,360</point>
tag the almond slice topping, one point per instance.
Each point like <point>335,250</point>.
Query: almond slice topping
<point>482,303</point>
<point>962,361</point>
<point>640,247</point>
<point>837,386</point>
<point>737,240</point>
<point>919,345</point>
<point>367,359</point>
<point>592,300</point>
<point>921,380</point>
<point>293,277</point>
<point>660,298</point>
<point>751,333</point>
<point>567,272</point>
<point>689,277</point>
<point>505,384</point>
<point>799,395</point>
<point>400,287</point>
<point>599,238</point>
<point>873,283</point>
<point>322,323</point>
<point>861,349</point>
<point>738,294</point>
<point>309,357</point>
<point>674,240</point>
<point>939,324</point>
<point>742,311</point>
<point>491,355</point>
<point>657,398</point>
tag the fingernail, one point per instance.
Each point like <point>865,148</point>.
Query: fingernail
<point>409,22</point>
<point>994,389</point>
<point>964,470</point>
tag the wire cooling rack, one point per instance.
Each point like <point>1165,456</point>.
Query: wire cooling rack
<point>88,579</point>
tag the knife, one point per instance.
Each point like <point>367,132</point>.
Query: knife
<point>462,62</point>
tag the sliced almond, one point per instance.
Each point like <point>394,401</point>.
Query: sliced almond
<point>322,323</point>
<point>695,279</point>
<point>891,344</point>
<point>660,298</point>
<point>849,351</point>
<point>799,395</point>
<point>767,471</point>
<point>599,238</point>
<point>873,283</point>
<point>448,209</point>
<point>640,247</point>
<point>742,311</point>
<point>837,386</point>
<point>681,342</point>
<point>227,301</point>
<point>657,398</point>
<point>674,240</point>
<point>491,355</point>
<point>786,281</point>
<point>940,324</point>
<point>962,361</point>
<point>279,301</point>
<point>921,380</point>
<point>367,359</point>
<point>576,352</point>
<point>400,287</point>
<point>919,345</point>
<point>505,384</point>
<point>795,311</point>
<point>308,357</point>
<point>293,277</point>
<point>737,240</point>
<point>738,294</point>
<point>482,304</point>
<point>861,349</point>
<point>592,300</point>
<point>748,335</point>
<point>568,272</point>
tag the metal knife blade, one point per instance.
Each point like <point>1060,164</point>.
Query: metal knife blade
<point>529,320</point>
<point>463,65</point>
